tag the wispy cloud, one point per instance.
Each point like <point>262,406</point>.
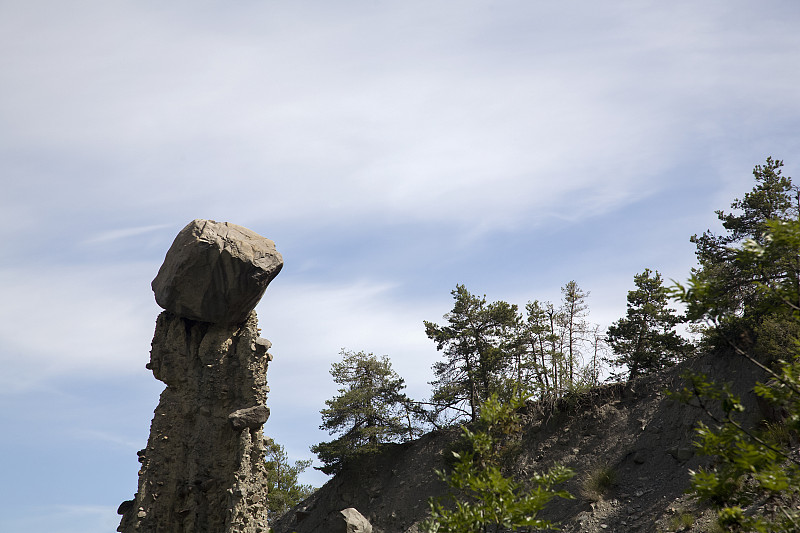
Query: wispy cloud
<point>116,439</point>
<point>428,125</point>
<point>86,321</point>
<point>114,235</point>
<point>309,323</point>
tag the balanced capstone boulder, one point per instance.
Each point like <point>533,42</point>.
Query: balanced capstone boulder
<point>216,272</point>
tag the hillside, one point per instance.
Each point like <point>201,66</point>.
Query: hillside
<point>633,428</point>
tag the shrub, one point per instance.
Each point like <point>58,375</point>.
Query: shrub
<point>598,482</point>
<point>484,499</point>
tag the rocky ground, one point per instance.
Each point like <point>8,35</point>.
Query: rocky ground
<point>633,431</point>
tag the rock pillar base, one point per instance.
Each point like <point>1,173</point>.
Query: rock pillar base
<point>203,468</point>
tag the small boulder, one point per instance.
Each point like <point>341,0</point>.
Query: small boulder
<point>262,345</point>
<point>216,272</point>
<point>251,417</point>
<point>352,522</point>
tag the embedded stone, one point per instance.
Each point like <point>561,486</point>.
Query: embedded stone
<point>125,506</point>
<point>352,522</point>
<point>251,417</point>
<point>262,345</point>
<point>216,272</point>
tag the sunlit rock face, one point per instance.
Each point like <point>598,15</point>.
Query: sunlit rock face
<point>203,469</point>
<point>216,272</point>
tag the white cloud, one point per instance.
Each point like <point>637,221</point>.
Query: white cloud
<point>309,323</point>
<point>365,113</point>
<point>85,321</point>
<point>117,234</point>
<point>98,437</point>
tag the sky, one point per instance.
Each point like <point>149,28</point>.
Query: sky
<point>390,149</point>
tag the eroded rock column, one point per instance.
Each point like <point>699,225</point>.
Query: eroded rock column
<point>203,467</point>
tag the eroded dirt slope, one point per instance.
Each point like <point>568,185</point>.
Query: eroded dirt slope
<point>633,429</point>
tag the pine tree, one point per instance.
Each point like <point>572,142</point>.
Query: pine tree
<point>283,489</point>
<point>573,313</point>
<point>537,349</point>
<point>645,340</point>
<point>731,284</point>
<point>754,480</point>
<point>369,410</point>
<point>475,362</point>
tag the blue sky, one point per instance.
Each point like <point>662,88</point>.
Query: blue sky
<point>390,149</point>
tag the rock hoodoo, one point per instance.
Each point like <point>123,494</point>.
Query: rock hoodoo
<point>203,467</point>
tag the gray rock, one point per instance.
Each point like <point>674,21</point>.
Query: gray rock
<point>251,417</point>
<point>263,344</point>
<point>216,272</point>
<point>197,474</point>
<point>352,522</point>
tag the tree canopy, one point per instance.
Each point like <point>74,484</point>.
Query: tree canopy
<point>742,310</point>
<point>472,343</point>
<point>493,348</point>
<point>748,285</point>
<point>645,339</point>
<point>370,409</point>
<point>283,489</point>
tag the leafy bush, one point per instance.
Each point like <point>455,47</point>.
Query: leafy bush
<point>484,499</point>
<point>753,465</point>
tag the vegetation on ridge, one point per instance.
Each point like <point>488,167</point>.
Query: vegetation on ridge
<point>370,409</point>
<point>645,340</point>
<point>283,489</point>
<point>753,307</point>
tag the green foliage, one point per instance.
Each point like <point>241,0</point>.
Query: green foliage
<point>726,283</point>
<point>775,336</point>
<point>486,500</point>
<point>283,489</point>
<point>471,341</point>
<point>598,481</point>
<point>734,518</point>
<point>546,346</point>
<point>536,349</point>
<point>645,340</point>
<point>492,348</point>
<point>370,410</point>
<point>753,465</point>
<point>681,521</point>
